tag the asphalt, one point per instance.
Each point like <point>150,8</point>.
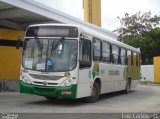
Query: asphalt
<point>143,99</point>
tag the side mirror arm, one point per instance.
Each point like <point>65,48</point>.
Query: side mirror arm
<point>18,43</point>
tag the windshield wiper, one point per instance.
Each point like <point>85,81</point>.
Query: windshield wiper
<point>56,44</point>
<point>38,43</point>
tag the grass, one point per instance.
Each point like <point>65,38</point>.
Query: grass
<point>148,82</point>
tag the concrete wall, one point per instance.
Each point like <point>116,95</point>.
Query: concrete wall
<point>147,71</point>
<point>10,57</point>
<point>9,85</point>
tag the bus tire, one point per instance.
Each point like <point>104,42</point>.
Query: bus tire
<point>95,93</point>
<point>128,87</point>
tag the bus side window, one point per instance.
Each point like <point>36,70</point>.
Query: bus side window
<point>96,49</point>
<point>135,61</point>
<point>106,52</point>
<point>130,57</point>
<point>139,59</point>
<point>115,54</point>
<point>123,56</point>
<point>85,53</point>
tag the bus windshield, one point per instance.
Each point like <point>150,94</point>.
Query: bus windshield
<point>50,55</point>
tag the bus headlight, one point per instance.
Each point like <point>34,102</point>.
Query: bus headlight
<point>70,80</point>
<point>25,79</point>
<point>67,82</point>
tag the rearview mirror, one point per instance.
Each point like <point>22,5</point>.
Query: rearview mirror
<point>18,43</point>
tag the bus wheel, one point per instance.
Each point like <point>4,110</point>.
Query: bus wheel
<point>95,93</point>
<point>128,86</point>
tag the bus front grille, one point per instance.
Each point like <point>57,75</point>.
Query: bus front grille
<point>45,77</point>
<point>36,82</point>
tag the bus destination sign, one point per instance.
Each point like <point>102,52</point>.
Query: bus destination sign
<point>52,31</point>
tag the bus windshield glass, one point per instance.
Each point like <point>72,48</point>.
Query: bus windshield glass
<point>50,55</point>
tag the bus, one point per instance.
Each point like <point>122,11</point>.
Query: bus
<point>70,61</point>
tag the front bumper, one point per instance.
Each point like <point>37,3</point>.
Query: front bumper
<point>50,91</point>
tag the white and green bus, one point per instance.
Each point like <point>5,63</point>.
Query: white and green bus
<point>69,61</point>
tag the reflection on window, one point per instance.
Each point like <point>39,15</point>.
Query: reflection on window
<point>85,53</point>
<point>53,54</point>
<point>34,56</point>
<point>105,52</point>
<point>123,56</point>
<point>115,54</point>
<point>96,50</point>
<point>135,59</point>
<point>129,57</point>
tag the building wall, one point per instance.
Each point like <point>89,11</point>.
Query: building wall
<point>157,69</point>
<point>92,11</point>
<point>147,71</point>
<point>10,57</point>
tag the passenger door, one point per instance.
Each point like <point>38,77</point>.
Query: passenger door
<point>85,77</point>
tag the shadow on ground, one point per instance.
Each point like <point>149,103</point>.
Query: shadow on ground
<point>75,102</point>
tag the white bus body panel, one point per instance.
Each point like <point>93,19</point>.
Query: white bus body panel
<point>85,82</point>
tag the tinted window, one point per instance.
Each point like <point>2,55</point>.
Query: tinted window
<point>123,56</point>
<point>135,59</point>
<point>115,54</point>
<point>85,53</point>
<point>96,49</point>
<point>129,57</point>
<point>105,52</point>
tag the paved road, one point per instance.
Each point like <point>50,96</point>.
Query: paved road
<point>143,99</point>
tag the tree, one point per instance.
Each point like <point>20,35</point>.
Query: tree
<point>137,24</point>
<point>141,31</point>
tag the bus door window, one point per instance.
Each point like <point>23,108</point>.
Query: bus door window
<point>85,53</point>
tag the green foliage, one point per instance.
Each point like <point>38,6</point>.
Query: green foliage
<point>141,31</point>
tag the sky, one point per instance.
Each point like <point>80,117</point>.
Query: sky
<point>110,9</point>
